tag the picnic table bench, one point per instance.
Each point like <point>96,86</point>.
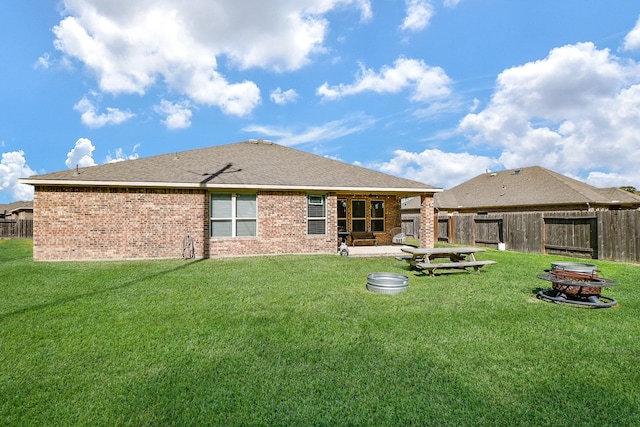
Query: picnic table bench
<point>459,258</point>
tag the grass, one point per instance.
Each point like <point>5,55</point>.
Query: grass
<point>297,340</point>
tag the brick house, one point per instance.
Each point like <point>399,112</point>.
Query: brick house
<point>247,198</point>
<point>16,220</point>
<point>530,189</point>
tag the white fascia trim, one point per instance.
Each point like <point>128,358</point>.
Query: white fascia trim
<point>58,182</point>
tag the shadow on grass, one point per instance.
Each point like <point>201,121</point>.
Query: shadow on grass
<point>126,284</point>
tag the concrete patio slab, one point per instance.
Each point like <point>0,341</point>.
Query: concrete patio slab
<point>372,251</point>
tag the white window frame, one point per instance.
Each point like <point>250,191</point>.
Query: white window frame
<point>316,200</point>
<point>233,219</point>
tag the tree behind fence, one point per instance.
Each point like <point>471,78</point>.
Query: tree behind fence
<point>611,235</point>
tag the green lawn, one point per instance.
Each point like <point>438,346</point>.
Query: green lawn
<point>299,341</point>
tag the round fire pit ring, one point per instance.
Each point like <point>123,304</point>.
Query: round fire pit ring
<point>387,283</point>
<point>593,301</point>
<point>576,267</point>
<point>576,283</point>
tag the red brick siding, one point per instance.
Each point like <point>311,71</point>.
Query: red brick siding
<point>392,214</point>
<point>120,223</point>
<point>282,228</point>
<point>427,222</point>
<point>117,223</point>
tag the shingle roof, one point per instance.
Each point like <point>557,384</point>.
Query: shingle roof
<point>531,186</point>
<point>412,203</point>
<point>16,206</point>
<point>617,195</point>
<point>251,164</point>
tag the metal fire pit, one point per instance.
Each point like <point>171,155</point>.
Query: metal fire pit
<point>576,283</point>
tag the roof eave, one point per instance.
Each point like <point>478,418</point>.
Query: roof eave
<point>140,184</point>
<point>534,205</point>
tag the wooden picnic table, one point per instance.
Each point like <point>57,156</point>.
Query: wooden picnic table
<point>459,258</point>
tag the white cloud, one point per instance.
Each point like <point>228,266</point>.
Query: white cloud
<point>419,13</point>
<point>632,39</point>
<point>121,156</point>
<point>177,115</point>
<point>43,62</point>
<point>436,167</point>
<point>427,82</point>
<point>451,3</point>
<point>437,109</point>
<point>325,132</point>
<point>81,154</point>
<point>90,117</point>
<point>12,167</point>
<point>281,97</point>
<point>605,180</point>
<point>133,45</point>
<point>576,110</point>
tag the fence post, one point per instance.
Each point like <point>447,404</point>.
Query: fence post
<point>451,223</point>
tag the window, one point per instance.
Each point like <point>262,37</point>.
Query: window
<point>377,215</point>
<point>316,215</point>
<point>233,215</point>
<point>358,215</point>
<point>342,214</point>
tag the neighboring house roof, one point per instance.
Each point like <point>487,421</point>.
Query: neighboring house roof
<point>243,165</point>
<point>530,186</point>
<point>410,204</point>
<point>618,195</point>
<point>16,206</point>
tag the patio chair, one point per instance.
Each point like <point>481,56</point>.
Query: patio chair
<point>398,236</point>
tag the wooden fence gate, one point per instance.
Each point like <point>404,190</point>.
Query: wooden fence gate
<point>571,235</point>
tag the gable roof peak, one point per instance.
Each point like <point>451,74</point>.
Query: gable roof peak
<point>522,187</point>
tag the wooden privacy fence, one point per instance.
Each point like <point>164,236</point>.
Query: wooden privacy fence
<point>610,235</point>
<point>20,228</point>
<point>411,226</point>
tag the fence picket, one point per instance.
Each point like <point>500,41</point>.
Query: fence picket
<point>611,235</point>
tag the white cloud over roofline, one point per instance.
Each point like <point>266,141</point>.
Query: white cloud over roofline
<point>12,167</point>
<point>325,132</point>
<point>132,45</point>
<point>578,109</point>
<point>177,115</point>
<point>81,155</point>
<point>427,83</point>
<point>437,167</point>
<point>91,118</point>
<point>120,155</point>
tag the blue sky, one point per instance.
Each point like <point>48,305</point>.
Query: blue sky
<point>433,90</point>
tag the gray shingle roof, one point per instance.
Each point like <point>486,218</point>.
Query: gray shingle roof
<point>412,203</point>
<point>531,186</point>
<point>16,206</point>
<point>251,164</point>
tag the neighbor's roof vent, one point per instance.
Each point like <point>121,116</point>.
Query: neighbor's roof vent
<point>516,172</point>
